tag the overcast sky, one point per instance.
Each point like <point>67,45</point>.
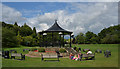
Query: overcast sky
<point>73,16</point>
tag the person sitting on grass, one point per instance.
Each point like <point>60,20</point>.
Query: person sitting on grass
<point>71,56</point>
<point>79,56</point>
<point>75,57</point>
<point>89,52</point>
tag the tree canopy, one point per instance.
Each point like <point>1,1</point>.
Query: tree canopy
<point>108,35</point>
<point>14,35</point>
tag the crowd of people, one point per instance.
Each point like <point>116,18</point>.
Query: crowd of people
<point>78,57</point>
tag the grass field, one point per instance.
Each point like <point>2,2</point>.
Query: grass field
<point>100,60</point>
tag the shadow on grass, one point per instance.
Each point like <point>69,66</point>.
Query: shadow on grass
<point>51,60</point>
<point>88,59</point>
<point>18,59</point>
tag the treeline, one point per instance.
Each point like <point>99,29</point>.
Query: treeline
<point>108,35</point>
<point>14,35</point>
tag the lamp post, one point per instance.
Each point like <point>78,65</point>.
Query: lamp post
<point>44,34</point>
<point>72,35</point>
<point>60,33</point>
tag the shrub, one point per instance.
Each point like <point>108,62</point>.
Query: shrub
<point>62,50</point>
<point>33,49</point>
<point>41,49</point>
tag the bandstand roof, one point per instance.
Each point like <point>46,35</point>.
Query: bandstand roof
<point>56,28</point>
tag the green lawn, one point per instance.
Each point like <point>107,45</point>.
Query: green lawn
<point>100,60</point>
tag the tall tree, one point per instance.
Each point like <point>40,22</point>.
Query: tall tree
<point>25,30</point>
<point>34,35</point>
<point>19,37</point>
<point>16,28</point>
<point>16,24</point>
<point>80,39</point>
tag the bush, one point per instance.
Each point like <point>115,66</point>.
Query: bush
<point>41,50</point>
<point>62,50</point>
<point>33,49</point>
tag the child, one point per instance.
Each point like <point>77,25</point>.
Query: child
<point>75,57</point>
<point>71,56</point>
<point>79,56</point>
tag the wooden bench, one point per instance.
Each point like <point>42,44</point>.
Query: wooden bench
<point>13,55</point>
<point>49,55</point>
<point>86,56</point>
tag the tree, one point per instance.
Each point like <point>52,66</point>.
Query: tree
<point>115,39</point>
<point>0,34</point>
<point>110,39</point>
<point>35,42</point>
<point>9,38</point>
<point>34,35</point>
<point>94,40</point>
<point>16,28</point>
<point>80,39</point>
<point>110,35</point>
<point>19,38</point>
<point>25,30</point>
<point>88,36</point>
<point>27,41</point>
<point>106,39</point>
<point>16,24</point>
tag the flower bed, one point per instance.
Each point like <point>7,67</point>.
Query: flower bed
<point>35,50</point>
<point>38,51</point>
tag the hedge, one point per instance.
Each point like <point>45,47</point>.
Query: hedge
<point>41,49</point>
<point>33,49</point>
